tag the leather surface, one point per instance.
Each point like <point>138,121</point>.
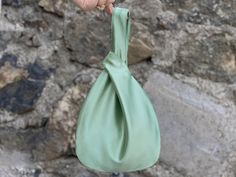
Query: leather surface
<point>117,127</point>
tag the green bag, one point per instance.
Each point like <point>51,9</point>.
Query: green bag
<point>117,128</point>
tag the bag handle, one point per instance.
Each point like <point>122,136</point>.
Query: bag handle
<point>120,32</point>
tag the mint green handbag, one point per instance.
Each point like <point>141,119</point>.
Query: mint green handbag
<point>117,128</point>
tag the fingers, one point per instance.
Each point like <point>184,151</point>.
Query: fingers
<point>86,4</point>
<point>105,2</point>
<point>109,8</point>
<point>110,1</point>
<point>105,5</point>
<point>101,2</point>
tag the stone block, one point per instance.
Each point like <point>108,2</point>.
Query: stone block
<point>195,129</point>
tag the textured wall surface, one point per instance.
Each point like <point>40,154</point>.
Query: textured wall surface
<point>182,52</point>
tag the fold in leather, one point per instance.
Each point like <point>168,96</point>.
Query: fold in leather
<point>117,128</point>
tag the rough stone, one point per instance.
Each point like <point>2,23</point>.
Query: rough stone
<point>53,6</point>
<point>19,89</point>
<point>20,96</point>
<point>140,48</point>
<point>10,58</point>
<point>70,167</point>
<point>39,144</point>
<point>138,51</point>
<point>65,115</point>
<point>211,57</point>
<point>145,13</point>
<point>194,138</point>
<point>61,47</point>
<point>9,74</point>
<point>8,71</point>
<point>12,2</point>
<point>167,21</point>
<point>82,38</point>
<point>86,77</point>
<point>9,162</point>
<point>4,39</point>
<point>203,12</point>
<point>234,96</point>
<point>141,71</point>
<point>141,44</point>
<point>37,72</point>
<point>218,90</point>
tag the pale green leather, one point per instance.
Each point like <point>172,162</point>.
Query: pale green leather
<point>117,128</point>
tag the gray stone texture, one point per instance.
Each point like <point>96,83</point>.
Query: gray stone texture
<point>198,132</point>
<point>182,52</point>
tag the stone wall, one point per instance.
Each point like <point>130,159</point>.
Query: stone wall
<point>182,52</point>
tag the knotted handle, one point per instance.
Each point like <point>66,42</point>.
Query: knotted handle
<point>120,32</point>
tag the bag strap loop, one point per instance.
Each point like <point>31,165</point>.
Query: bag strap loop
<point>120,32</point>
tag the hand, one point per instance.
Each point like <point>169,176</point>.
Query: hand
<point>92,4</point>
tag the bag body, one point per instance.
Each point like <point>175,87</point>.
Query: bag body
<point>117,128</point>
